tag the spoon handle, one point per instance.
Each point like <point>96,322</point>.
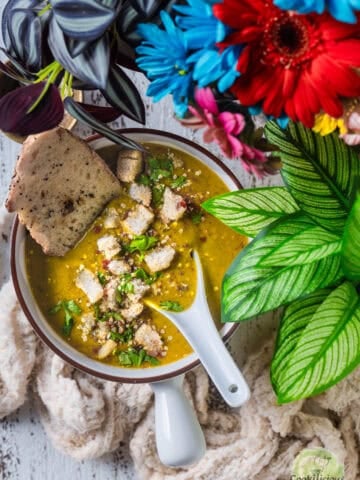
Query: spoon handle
<point>203,336</point>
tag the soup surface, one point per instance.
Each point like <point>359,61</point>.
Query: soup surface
<point>138,249</point>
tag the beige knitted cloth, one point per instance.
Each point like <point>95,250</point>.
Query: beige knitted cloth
<point>86,417</point>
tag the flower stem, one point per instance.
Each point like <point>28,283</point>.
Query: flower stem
<point>44,10</point>
<point>52,72</point>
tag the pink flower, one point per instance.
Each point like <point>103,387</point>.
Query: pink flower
<point>223,128</point>
<point>353,124</point>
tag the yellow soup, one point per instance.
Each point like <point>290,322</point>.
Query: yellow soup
<point>111,322</point>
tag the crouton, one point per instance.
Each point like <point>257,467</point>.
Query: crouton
<point>118,267</point>
<point>129,165</point>
<point>108,246</point>
<point>132,311</point>
<point>138,220</point>
<point>112,219</point>
<point>160,258</point>
<point>149,339</point>
<point>106,349</point>
<point>89,284</point>
<point>59,187</point>
<point>173,208</point>
<point>140,193</point>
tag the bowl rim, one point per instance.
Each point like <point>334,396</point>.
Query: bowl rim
<point>40,333</point>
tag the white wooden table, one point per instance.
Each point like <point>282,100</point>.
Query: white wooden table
<point>25,451</point>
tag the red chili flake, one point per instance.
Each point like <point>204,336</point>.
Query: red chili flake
<point>203,239</point>
<point>182,204</point>
<point>97,229</point>
<point>105,264</point>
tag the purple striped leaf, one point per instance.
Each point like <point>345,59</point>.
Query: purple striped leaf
<point>121,93</point>
<point>77,111</point>
<point>103,114</point>
<point>91,66</point>
<point>84,19</point>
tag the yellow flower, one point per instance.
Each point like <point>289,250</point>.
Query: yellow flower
<point>324,124</point>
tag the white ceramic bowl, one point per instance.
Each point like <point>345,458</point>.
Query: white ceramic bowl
<point>94,367</point>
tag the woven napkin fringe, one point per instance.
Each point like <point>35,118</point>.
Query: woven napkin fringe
<point>86,417</point>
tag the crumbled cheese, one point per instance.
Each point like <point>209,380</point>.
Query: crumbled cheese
<point>160,258</point>
<point>174,206</point>
<point>118,267</point>
<point>108,246</point>
<point>89,284</point>
<point>138,220</point>
<point>112,219</point>
<point>140,193</point>
<point>149,339</point>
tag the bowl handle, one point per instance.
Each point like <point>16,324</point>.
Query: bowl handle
<point>179,439</point>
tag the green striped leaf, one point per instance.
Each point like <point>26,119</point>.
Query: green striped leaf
<point>295,319</point>
<point>310,244</point>
<point>249,211</point>
<point>320,172</point>
<point>351,243</point>
<point>250,289</point>
<point>327,350</point>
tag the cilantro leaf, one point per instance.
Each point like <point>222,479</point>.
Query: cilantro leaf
<point>171,306</point>
<point>144,180</point>
<point>135,358</point>
<point>196,218</point>
<point>141,243</point>
<point>102,278</point>
<point>69,308</point>
<point>179,182</point>
<point>146,277</point>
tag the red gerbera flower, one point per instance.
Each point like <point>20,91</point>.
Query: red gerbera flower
<point>297,64</point>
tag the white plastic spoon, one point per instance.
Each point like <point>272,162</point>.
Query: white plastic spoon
<point>198,327</point>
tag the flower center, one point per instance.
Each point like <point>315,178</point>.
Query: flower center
<point>289,39</point>
<point>290,36</point>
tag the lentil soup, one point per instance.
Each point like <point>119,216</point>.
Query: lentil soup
<point>139,248</point>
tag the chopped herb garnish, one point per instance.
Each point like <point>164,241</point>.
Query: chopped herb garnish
<point>104,316</point>
<point>196,217</point>
<point>144,180</point>
<point>146,277</point>
<point>125,286</point>
<point>102,278</point>
<point>179,182</point>
<point>172,306</point>
<point>157,195</point>
<point>160,168</point>
<point>141,243</point>
<point>136,358</point>
<point>70,307</point>
<point>123,337</point>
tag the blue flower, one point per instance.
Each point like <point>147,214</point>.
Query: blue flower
<point>342,10</point>
<point>202,32</point>
<point>163,56</point>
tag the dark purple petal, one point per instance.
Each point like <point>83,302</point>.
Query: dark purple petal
<point>77,111</point>
<point>91,66</point>
<point>84,19</point>
<point>121,93</point>
<point>103,114</point>
<point>13,107</point>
